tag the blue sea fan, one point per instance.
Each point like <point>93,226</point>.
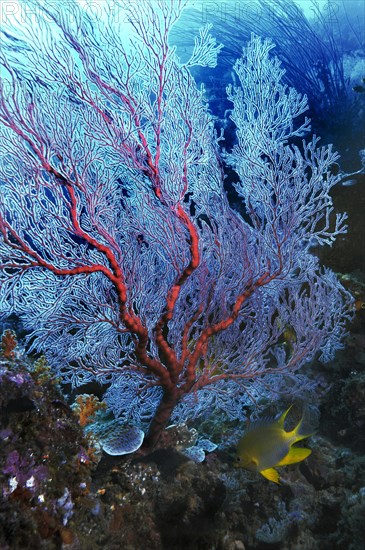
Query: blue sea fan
<point>133,398</point>
<point>119,247</point>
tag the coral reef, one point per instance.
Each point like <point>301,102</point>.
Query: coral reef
<point>55,497</point>
<point>122,254</point>
<point>45,468</point>
<point>60,490</point>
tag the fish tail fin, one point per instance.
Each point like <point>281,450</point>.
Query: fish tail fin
<point>282,418</point>
<point>297,434</point>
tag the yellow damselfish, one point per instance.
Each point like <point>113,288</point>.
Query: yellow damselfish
<point>267,445</point>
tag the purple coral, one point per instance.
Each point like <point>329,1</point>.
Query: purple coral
<point>24,471</point>
<point>121,251</point>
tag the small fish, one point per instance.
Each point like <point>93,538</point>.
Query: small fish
<point>267,445</point>
<point>359,305</point>
<point>289,335</point>
<point>359,89</point>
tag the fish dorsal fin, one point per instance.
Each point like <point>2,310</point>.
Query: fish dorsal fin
<point>271,475</point>
<point>296,454</point>
<point>280,421</point>
<point>268,421</point>
<point>260,423</point>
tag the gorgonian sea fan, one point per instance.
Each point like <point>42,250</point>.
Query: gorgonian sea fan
<point>119,248</point>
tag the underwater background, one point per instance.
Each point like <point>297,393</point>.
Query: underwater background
<point>63,489</point>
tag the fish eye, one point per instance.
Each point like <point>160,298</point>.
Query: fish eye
<point>238,459</point>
